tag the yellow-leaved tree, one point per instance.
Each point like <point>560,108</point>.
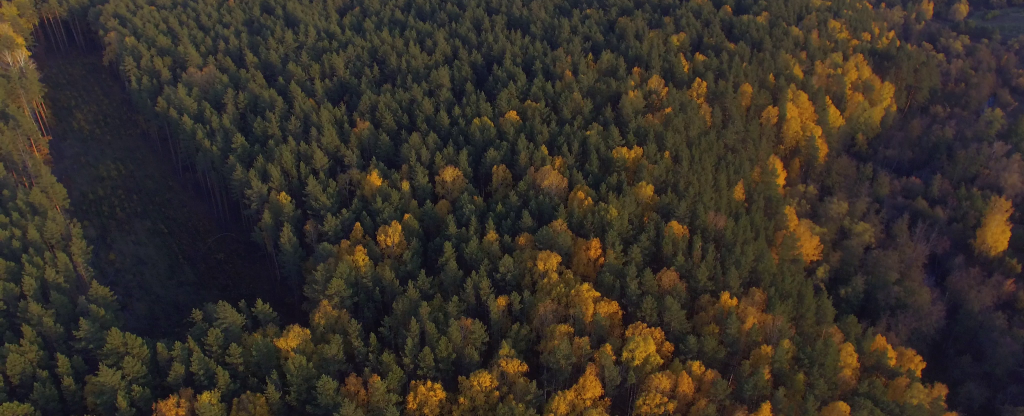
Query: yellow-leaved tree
<point>746,93</point>
<point>371,182</point>
<point>677,230</point>
<point>645,348</point>
<point>360,259</point>
<point>449,183</point>
<point>833,118</point>
<point>883,350</point>
<point>391,239</point>
<point>808,244</point>
<point>478,394</point>
<point>587,258</point>
<point>630,157</point>
<point>837,408</point>
<point>958,11</point>
<point>924,10</point>
<point>585,397</point>
<point>993,236</point>
<point>909,361</point>
<point>177,404</point>
<point>800,124</point>
<point>550,181</point>
<point>698,92</point>
<point>738,192</point>
<point>849,367</point>
<point>292,337</point>
<point>764,410</point>
<point>425,398</point>
<point>501,179</point>
<point>774,163</point>
<point>770,116</point>
<point>657,395</point>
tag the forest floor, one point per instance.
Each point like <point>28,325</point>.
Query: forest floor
<point>156,240</point>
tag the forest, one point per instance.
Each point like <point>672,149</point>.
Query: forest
<point>511,207</point>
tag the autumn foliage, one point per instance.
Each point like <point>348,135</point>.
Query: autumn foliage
<point>993,236</point>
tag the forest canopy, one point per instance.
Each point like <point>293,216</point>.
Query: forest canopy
<point>547,207</point>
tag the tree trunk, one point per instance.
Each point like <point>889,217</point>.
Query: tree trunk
<point>241,213</point>
<point>78,32</point>
<point>56,32</point>
<point>39,118</point>
<point>46,112</point>
<point>27,163</point>
<point>24,102</point>
<point>224,204</point>
<point>39,33</point>
<point>175,150</point>
<point>54,40</point>
<point>154,135</point>
<point>74,32</point>
<point>215,188</point>
<point>209,193</point>
<point>63,34</point>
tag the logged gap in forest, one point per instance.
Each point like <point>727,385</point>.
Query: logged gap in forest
<point>164,240</point>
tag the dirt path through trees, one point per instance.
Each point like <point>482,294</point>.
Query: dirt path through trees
<point>156,241</point>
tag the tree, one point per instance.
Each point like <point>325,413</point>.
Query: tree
<point>775,164</point>
<point>250,404</point>
<point>587,258</point>
<point>924,10</point>
<point>208,404</point>
<point>764,410</point>
<point>449,183</point>
<point>629,157</point>
<point>808,243</point>
<point>550,181</point>
<point>501,179</point>
<point>958,11</point>
<point>833,118</point>
<point>17,409</point>
<point>673,228</point>
<point>993,236</point>
<point>292,338</point>
<point>389,130</point>
<point>646,346</point>
<point>391,240</point>
<point>883,351</point>
<point>178,404</point>
<point>837,408</point>
<point>849,367</point>
<point>800,123</point>
<point>425,398</point>
<point>746,93</point>
<point>585,397</point>
<point>909,361</point>
<point>371,183</point>
<point>478,394</point>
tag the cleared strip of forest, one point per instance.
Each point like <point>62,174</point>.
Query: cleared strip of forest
<point>156,241</point>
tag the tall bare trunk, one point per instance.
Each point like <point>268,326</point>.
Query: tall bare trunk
<point>53,35</point>
<point>39,118</point>
<point>224,202</point>
<point>38,33</point>
<point>209,193</point>
<point>58,37</point>
<point>24,103</point>
<point>45,112</point>
<point>63,34</point>
<point>77,27</point>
